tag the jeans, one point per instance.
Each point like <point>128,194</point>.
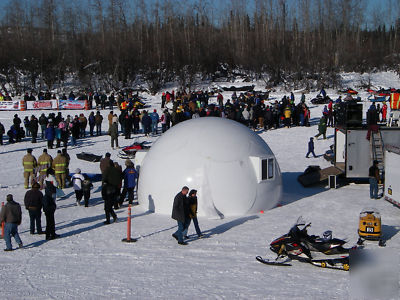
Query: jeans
<point>43,129</point>
<point>91,127</point>
<point>373,188</point>
<point>181,228</point>
<point>11,229</point>
<point>196,226</point>
<point>36,217</point>
<point>154,127</point>
<point>98,129</point>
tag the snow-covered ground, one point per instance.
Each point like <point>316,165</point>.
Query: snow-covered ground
<point>89,261</point>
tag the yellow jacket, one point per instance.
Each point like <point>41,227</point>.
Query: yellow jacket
<point>29,163</point>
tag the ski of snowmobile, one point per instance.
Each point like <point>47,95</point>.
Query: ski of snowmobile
<point>273,262</point>
<point>334,263</point>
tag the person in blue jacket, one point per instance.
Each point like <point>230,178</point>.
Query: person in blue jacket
<point>50,134</point>
<point>130,176</point>
<point>146,123</point>
<point>311,148</point>
<point>155,118</point>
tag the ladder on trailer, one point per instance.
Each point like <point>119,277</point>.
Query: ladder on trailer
<point>377,153</point>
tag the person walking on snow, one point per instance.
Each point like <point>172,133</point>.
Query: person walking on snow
<point>192,201</point>
<point>130,176</point>
<point>311,148</point>
<point>180,213</point>
<point>322,127</point>
<point>77,180</point>
<point>11,215</point>
<point>86,187</point>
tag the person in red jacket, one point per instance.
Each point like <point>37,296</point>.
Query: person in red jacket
<point>384,111</point>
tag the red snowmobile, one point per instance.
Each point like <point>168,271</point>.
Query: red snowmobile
<point>129,151</point>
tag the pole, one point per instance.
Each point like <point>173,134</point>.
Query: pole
<point>128,231</point>
<point>2,223</point>
<point>128,237</point>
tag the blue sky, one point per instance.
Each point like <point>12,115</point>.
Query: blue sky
<point>375,9</point>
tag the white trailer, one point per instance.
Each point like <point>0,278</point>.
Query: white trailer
<point>392,174</point>
<point>353,153</point>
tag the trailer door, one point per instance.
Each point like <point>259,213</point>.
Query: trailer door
<point>358,154</point>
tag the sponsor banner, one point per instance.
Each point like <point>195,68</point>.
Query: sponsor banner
<point>42,104</point>
<point>9,105</point>
<point>395,101</point>
<point>72,104</point>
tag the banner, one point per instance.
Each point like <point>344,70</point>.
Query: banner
<point>42,104</point>
<point>395,101</point>
<point>72,104</point>
<point>9,105</point>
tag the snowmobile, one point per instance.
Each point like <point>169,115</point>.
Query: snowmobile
<point>370,226</point>
<point>320,100</point>
<point>130,151</point>
<point>297,244</point>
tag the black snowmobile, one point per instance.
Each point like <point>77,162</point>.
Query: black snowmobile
<point>328,252</point>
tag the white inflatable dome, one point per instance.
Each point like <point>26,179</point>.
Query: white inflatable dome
<point>231,167</point>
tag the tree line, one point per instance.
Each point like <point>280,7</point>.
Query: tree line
<point>108,44</point>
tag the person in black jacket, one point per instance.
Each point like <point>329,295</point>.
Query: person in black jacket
<point>109,190</point>
<point>180,213</point>
<point>34,128</point>
<point>311,148</point>
<point>374,177</point>
<point>49,204</point>
<point>2,131</point>
<point>33,203</point>
<point>11,215</point>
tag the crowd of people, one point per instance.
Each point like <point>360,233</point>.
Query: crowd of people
<point>45,173</point>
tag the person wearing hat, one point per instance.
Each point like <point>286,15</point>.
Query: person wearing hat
<point>44,162</point>
<point>130,176</point>
<point>373,180</point>
<point>60,167</point>
<point>29,162</point>
<point>114,134</point>
<point>311,147</point>
<point>192,201</point>
<point>33,203</point>
<point>11,215</point>
<point>77,180</point>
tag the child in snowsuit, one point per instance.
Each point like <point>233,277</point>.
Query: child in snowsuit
<point>311,148</point>
<point>86,186</point>
<point>77,180</point>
